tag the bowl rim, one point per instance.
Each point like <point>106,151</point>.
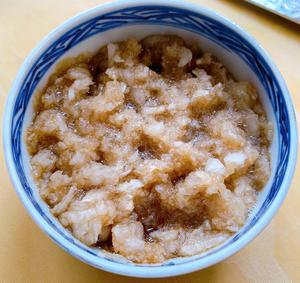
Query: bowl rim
<point>127,269</point>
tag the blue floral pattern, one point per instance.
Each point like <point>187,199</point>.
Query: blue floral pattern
<point>154,15</point>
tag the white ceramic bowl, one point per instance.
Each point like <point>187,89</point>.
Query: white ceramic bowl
<point>241,54</point>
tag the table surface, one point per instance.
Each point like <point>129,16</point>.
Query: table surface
<point>28,255</point>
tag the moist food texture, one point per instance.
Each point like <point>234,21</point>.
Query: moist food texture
<point>149,149</point>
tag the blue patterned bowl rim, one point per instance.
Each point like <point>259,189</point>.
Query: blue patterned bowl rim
<point>178,14</point>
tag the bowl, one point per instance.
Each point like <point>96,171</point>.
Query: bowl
<point>239,52</point>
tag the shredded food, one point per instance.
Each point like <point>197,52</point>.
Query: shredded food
<point>150,149</point>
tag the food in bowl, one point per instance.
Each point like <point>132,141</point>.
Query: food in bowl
<point>149,149</point>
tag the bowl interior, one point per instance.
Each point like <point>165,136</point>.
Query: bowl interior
<point>231,60</point>
<point>92,30</point>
